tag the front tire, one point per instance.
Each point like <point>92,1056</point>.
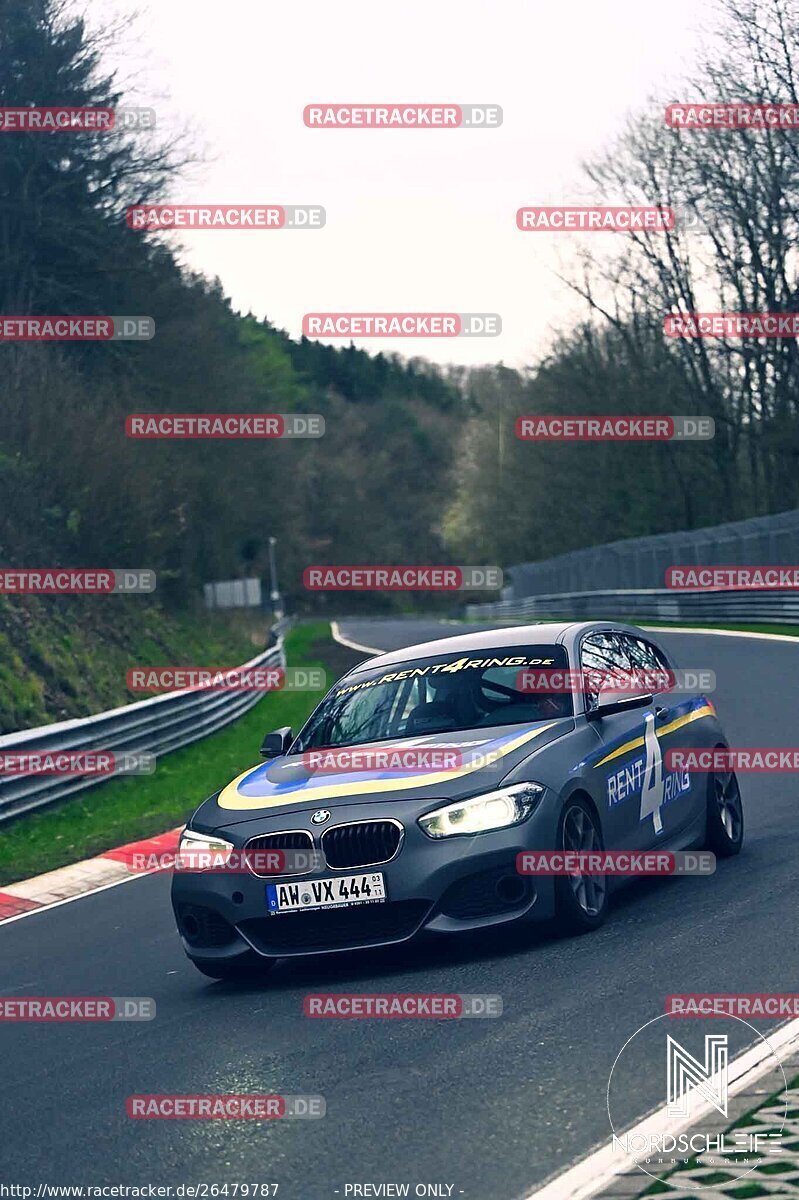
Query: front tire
<point>247,967</point>
<point>581,901</point>
<point>725,814</point>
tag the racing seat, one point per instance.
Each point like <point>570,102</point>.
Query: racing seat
<point>432,717</point>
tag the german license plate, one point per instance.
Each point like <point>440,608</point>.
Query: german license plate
<point>342,892</point>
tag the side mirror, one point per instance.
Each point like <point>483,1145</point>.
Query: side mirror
<point>277,743</point>
<point>616,704</point>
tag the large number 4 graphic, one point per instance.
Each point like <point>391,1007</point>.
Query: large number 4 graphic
<point>652,790</point>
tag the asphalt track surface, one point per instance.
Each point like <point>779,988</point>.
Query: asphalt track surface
<point>489,1107</point>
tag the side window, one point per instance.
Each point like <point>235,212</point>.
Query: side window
<point>647,659</point>
<point>644,655</point>
<point>602,653</point>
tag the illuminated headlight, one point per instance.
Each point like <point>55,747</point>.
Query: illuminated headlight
<point>196,850</point>
<point>494,810</point>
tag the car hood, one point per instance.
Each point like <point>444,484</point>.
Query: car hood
<point>484,757</point>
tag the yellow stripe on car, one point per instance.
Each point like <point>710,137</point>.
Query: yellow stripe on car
<point>706,710</point>
<point>230,797</point>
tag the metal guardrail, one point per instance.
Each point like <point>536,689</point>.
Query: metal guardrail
<point>654,604</point>
<point>153,726</point>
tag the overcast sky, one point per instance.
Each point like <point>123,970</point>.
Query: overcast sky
<point>416,220</point>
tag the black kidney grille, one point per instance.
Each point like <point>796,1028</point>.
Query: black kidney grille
<point>362,844</point>
<point>296,839</point>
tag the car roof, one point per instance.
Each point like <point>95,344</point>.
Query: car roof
<point>542,633</point>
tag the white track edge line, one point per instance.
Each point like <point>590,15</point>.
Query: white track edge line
<point>33,912</point>
<point>338,636</point>
<point>599,1168</point>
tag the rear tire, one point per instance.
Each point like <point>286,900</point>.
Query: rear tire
<point>725,814</point>
<point>248,967</point>
<point>581,902</point>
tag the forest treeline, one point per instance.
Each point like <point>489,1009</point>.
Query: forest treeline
<point>418,464</point>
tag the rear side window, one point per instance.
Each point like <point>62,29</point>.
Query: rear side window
<point>602,653</point>
<point>644,655</point>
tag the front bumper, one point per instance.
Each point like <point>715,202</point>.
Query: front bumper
<point>433,887</point>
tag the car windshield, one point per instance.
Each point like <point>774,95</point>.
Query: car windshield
<point>454,691</point>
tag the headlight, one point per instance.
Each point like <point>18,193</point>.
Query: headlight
<point>494,810</point>
<point>196,850</point>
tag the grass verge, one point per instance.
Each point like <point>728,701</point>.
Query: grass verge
<point>64,657</point>
<point>126,810</point>
<point>787,630</point>
<point>762,1179</point>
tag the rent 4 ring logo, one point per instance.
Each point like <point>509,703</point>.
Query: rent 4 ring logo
<point>644,775</point>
